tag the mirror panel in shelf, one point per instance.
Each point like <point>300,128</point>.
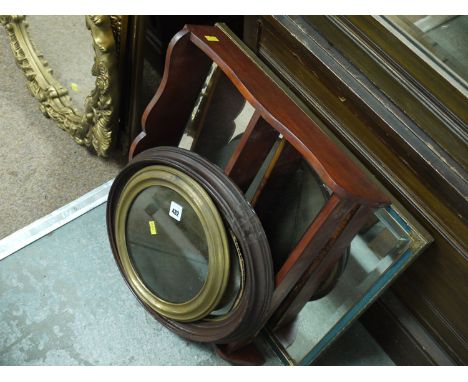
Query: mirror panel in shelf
<point>379,253</point>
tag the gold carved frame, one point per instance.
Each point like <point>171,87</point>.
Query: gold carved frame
<point>95,127</point>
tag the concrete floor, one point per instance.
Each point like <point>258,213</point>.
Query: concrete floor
<point>64,302</point>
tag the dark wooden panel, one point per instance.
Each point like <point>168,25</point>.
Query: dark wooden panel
<point>405,340</point>
<point>343,94</point>
<point>434,117</point>
<point>397,150</point>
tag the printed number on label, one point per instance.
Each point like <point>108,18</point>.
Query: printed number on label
<point>175,211</point>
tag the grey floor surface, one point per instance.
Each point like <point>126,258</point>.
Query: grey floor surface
<point>63,302</point>
<point>41,167</point>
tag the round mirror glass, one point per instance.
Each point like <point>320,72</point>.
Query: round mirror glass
<point>167,244</point>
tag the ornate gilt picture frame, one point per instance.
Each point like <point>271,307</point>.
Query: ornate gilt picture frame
<point>95,127</point>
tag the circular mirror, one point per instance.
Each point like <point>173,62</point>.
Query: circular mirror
<point>190,246</point>
<point>172,243</point>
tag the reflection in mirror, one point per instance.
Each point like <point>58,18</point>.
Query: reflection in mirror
<point>287,182</point>
<point>441,38</point>
<point>171,256</point>
<point>373,251</point>
<point>219,118</point>
<point>169,253</point>
<point>66,44</point>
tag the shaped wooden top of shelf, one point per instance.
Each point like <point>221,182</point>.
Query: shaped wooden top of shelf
<point>189,56</point>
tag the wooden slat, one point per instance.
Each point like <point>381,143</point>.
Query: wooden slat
<point>311,245</point>
<point>251,151</point>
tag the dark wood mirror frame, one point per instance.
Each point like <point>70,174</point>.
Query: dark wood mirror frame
<point>353,195</point>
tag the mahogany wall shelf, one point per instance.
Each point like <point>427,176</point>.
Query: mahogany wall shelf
<point>277,116</point>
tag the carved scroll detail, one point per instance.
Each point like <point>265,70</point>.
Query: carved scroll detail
<point>95,127</point>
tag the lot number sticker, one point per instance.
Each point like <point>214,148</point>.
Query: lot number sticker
<point>175,211</point>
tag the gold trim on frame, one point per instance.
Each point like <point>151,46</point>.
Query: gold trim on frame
<point>218,250</point>
<point>93,128</point>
